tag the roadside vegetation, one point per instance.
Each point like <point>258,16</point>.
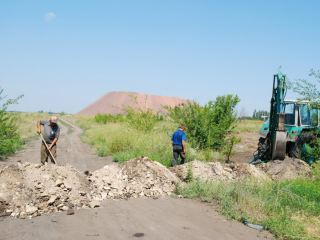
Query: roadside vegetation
<point>124,142</point>
<point>16,128</point>
<point>289,209</point>
<point>142,133</point>
<point>10,140</point>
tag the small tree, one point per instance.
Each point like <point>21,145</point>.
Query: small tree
<point>208,125</point>
<point>10,140</point>
<point>308,89</point>
<point>228,148</point>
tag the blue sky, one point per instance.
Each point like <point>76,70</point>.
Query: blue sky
<point>63,55</point>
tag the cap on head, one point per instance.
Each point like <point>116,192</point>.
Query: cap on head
<point>54,119</point>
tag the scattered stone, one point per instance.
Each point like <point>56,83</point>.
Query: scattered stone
<point>22,215</point>
<point>31,210</point>
<point>94,204</point>
<point>38,165</point>
<point>59,182</point>
<point>65,208</point>
<point>70,212</point>
<point>52,200</point>
<point>60,206</point>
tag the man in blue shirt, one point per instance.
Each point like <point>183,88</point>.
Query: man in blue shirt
<point>179,139</point>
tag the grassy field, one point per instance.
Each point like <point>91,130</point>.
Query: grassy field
<point>124,141</point>
<point>249,125</point>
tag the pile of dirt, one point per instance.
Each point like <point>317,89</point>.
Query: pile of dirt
<point>29,190</point>
<point>286,169</point>
<point>32,189</point>
<point>218,171</point>
<point>140,177</point>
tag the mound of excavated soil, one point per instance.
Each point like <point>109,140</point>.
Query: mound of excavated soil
<point>275,170</point>
<point>286,169</point>
<point>218,171</point>
<point>135,178</point>
<point>29,190</point>
<point>32,190</point>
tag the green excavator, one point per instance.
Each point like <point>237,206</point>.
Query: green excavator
<point>292,128</point>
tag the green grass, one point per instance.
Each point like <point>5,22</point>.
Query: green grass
<point>289,209</point>
<point>249,125</point>
<point>124,141</point>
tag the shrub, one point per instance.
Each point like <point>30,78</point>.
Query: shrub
<point>208,125</point>
<point>228,148</point>
<point>10,140</point>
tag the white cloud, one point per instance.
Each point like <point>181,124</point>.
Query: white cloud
<point>49,17</point>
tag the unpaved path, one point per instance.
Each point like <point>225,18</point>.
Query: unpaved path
<point>166,218</point>
<point>70,150</point>
<point>134,219</point>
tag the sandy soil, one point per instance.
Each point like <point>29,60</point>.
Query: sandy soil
<point>166,218</point>
<point>245,149</point>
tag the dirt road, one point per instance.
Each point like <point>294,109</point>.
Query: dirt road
<point>166,218</point>
<point>71,150</point>
<point>133,219</point>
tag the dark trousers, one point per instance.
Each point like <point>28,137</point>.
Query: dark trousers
<point>44,154</point>
<point>178,152</point>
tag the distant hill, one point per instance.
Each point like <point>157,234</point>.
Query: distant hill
<point>118,102</point>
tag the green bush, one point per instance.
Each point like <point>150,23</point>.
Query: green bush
<point>208,125</point>
<point>10,140</point>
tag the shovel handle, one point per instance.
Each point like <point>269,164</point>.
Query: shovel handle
<point>44,142</point>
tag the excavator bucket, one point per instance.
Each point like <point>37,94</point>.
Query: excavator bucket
<point>279,146</point>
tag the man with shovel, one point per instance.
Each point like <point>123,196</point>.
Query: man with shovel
<point>49,136</point>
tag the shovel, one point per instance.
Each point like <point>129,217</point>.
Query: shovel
<point>44,142</point>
